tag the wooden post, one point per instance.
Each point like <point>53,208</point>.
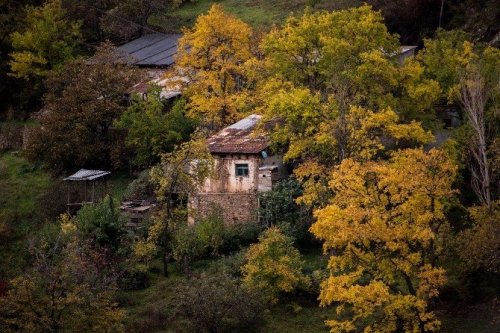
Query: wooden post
<point>67,191</point>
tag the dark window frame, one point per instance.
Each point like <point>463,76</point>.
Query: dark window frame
<point>241,170</point>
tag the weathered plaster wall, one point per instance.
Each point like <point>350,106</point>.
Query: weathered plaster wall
<point>226,181</point>
<point>237,196</point>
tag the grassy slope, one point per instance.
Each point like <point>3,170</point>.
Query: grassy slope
<point>257,13</point>
<point>21,188</point>
<point>148,309</point>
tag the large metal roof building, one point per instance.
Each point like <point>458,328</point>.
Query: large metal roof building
<point>153,50</point>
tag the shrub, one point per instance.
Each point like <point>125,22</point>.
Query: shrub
<point>278,208</point>
<point>274,266</point>
<point>217,303</point>
<point>140,188</point>
<point>240,235</point>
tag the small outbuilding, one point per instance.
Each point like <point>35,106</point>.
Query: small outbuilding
<point>85,187</point>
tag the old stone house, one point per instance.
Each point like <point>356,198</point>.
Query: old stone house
<point>244,166</point>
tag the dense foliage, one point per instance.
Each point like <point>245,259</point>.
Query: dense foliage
<point>405,206</point>
<point>82,101</point>
<point>152,130</point>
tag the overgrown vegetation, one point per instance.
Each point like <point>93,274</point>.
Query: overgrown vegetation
<point>408,232</point>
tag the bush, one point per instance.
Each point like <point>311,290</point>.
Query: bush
<point>274,266</point>
<point>278,208</point>
<point>140,188</point>
<point>217,303</point>
<point>101,223</point>
<point>240,235</point>
<point>229,265</point>
<point>134,279</point>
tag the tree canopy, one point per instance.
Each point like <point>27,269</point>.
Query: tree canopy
<point>46,42</point>
<point>212,56</point>
<point>387,227</point>
<point>81,103</point>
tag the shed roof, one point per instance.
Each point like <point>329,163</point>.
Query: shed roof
<point>152,50</point>
<point>239,138</point>
<point>84,174</point>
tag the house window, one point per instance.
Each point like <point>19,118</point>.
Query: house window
<point>241,170</point>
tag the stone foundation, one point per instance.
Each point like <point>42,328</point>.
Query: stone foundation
<point>236,207</point>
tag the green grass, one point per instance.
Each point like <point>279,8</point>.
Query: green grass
<point>22,185</point>
<point>258,13</point>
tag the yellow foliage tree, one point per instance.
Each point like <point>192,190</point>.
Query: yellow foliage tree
<point>314,131</point>
<point>385,227</point>
<point>273,266</point>
<point>479,246</point>
<point>340,92</point>
<point>47,41</point>
<point>212,56</point>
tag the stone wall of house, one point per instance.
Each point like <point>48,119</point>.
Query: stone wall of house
<point>236,207</point>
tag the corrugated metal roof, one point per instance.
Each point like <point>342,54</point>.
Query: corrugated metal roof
<point>84,174</point>
<point>152,50</point>
<point>246,123</point>
<point>239,138</point>
<point>406,48</point>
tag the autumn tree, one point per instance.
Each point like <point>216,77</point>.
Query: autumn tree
<point>468,74</point>
<point>339,92</point>
<point>479,246</point>
<point>152,129</point>
<point>70,287</point>
<point>385,228</point>
<point>212,56</point>
<point>82,101</point>
<point>180,172</point>
<point>45,43</point>
<point>273,266</point>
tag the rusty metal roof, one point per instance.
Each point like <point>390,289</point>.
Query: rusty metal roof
<point>239,138</point>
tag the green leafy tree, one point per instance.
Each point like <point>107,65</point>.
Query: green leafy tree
<point>180,172</point>
<point>274,266</point>
<point>101,223</point>
<point>45,43</point>
<point>152,130</point>
<point>279,208</point>
<point>339,92</point>
<point>468,74</point>
<point>81,104</point>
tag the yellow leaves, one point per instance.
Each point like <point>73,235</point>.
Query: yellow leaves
<point>68,226</point>
<point>479,246</point>
<point>212,55</point>
<point>384,223</point>
<point>273,266</point>
<point>47,41</point>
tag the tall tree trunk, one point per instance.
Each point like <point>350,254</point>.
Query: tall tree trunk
<point>473,96</point>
